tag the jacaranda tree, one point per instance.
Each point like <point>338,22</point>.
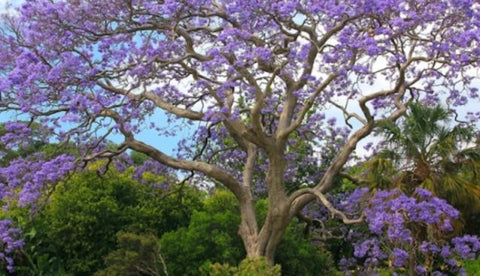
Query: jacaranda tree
<point>253,78</point>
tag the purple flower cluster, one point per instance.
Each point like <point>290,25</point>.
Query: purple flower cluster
<point>9,243</point>
<point>392,210</point>
<point>16,135</point>
<point>371,251</point>
<point>155,169</point>
<point>22,183</point>
<point>467,246</point>
<point>24,179</point>
<point>402,226</point>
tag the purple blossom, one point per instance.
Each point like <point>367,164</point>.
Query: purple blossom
<point>420,269</point>
<point>25,179</point>
<point>369,248</point>
<point>445,252</point>
<point>400,257</point>
<point>10,242</point>
<point>17,134</point>
<point>395,221</point>
<point>423,193</point>
<point>467,246</point>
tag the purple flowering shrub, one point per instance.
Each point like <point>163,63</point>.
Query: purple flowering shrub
<point>10,242</point>
<point>23,182</point>
<point>16,134</point>
<point>24,179</point>
<point>405,234</point>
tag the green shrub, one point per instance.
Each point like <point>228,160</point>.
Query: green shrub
<point>78,227</point>
<point>248,267</point>
<point>211,236</point>
<point>135,255</point>
<point>298,256</point>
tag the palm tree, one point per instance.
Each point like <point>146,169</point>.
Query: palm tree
<point>422,150</point>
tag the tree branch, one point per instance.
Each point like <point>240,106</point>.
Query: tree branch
<point>208,169</point>
<point>184,113</point>
<point>323,199</point>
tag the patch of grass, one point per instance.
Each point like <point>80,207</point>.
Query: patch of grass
<point>472,267</point>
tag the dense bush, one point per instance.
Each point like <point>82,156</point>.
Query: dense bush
<point>211,236</point>
<point>298,256</point>
<point>248,267</point>
<point>77,229</point>
<point>135,255</point>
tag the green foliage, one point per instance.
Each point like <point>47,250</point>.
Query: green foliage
<point>79,225</point>
<point>211,236</point>
<point>248,267</point>
<point>33,260</point>
<point>135,255</point>
<point>472,267</point>
<point>138,158</point>
<point>298,256</point>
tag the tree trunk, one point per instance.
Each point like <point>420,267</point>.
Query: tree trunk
<point>264,243</point>
<point>273,230</point>
<point>278,212</point>
<point>248,229</point>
